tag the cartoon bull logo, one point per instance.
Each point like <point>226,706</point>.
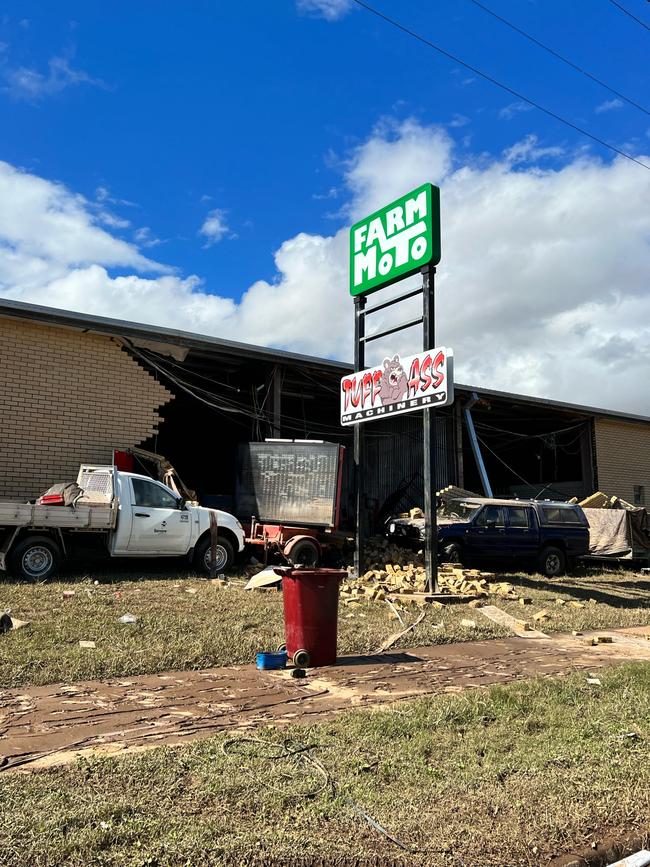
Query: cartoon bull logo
<point>393,385</point>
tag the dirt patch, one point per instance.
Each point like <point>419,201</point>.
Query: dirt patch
<point>51,725</point>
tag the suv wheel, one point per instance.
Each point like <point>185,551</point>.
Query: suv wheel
<point>552,562</point>
<point>452,553</point>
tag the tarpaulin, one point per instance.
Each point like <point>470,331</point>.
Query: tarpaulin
<point>621,533</point>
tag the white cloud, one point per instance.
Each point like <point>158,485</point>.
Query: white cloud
<point>215,227</point>
<point>330,10</point>
<point>104,195</point>
<point>42,221</point>
<point>30,85</point>
<point>512,110</point>
<point>391,162</point>
<point>145,238</point>
<point>542,287</point>
<point>609,105</point>
<point>107,218</point>
<point>527,150</point>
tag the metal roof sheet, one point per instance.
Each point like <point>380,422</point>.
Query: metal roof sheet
<point>118,327</point>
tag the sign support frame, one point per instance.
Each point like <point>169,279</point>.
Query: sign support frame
<point>403,232</point>
<point>359,436</point>
<point>429,438</point>
<point>427,289</point>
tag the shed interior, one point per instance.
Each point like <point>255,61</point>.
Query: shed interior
<point>225,398</point>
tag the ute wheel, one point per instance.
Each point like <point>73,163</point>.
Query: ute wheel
<point>300,659</point>
<point>281,647</point>
<point>203,555</point>
<point>304,553</point>
<point>552,562</point>
<point>36,558</point>
<point>453,553</point>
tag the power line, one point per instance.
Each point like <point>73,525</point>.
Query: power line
<point>559,56</point>
<point>627,12</point>
<point>507,466</point>
<point>505,87</point>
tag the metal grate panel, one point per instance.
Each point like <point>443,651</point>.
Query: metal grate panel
<point>288,482</point>
<point>98,481</point>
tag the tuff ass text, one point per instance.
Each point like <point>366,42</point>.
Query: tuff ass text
<point>398,386</point>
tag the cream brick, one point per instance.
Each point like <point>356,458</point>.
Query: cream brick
<point>67,398</point>
<point>623,458</point>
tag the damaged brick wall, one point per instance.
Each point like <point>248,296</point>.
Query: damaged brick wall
<point>623,458</point>
<point>67,398</point>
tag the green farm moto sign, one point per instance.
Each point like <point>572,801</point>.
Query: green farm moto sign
<point>395,241</point>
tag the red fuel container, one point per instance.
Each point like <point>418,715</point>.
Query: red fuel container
<point>311,603</point>
<point>51,500</point>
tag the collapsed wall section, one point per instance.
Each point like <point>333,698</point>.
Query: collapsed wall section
<point>66,398</point>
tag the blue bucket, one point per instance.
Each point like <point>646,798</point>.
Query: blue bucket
<point>271,661</point>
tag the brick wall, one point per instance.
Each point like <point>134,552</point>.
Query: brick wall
<point>67,398</point>
<point>623,458</point>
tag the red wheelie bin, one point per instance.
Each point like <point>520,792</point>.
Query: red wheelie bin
<point>311,603</point>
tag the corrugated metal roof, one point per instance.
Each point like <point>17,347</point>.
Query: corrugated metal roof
<point>118,327</point>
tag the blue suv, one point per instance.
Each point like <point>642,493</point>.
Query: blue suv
<point>547,535</point>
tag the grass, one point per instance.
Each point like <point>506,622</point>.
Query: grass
<point>212,626</point>
<point>512,775</point>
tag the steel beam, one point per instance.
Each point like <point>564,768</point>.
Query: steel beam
<point>476,448</point>
<point>429,430</point>
<point>359,364</point>
<point>410,294</point>
<point>408,324</point>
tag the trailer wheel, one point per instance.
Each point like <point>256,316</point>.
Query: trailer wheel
<point>203,555</point>
<point>304,553</point>
<point>36,558</point>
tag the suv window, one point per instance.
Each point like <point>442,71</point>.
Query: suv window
<point>458,509</point>
<point>152,495</point>
<point>491,515</point>
<point>518,516</point>
<point>561,515</point>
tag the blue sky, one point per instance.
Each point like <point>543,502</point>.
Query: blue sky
<point>251,108</point>
<point>196,164</point>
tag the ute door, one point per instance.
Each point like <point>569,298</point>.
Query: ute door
<point>486,538</point>
<point>158,525</point>
<point>522,534</point>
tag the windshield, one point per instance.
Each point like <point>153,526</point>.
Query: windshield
<point>458,509</point>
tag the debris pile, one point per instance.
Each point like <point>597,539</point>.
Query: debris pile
<point>599,500</point>
<point>395,570</point>
<point>443,496</point>
<point>451,492</point>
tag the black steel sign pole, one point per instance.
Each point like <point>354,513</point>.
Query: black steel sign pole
<point>429,422</point>
<point>359,364</point>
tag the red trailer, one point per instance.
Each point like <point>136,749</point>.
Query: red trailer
<point>292,489</point>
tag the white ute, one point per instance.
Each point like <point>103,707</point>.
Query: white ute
<point>138,517</point>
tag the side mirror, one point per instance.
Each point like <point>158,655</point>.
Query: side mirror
<point>491,523</point>
<point>181,504</point>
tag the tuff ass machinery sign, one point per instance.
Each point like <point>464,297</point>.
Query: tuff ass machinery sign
<point>398,386</point>
<point>395,241</point>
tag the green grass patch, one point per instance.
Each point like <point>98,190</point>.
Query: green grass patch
<point>211,625</point>
<point>511,775</point>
